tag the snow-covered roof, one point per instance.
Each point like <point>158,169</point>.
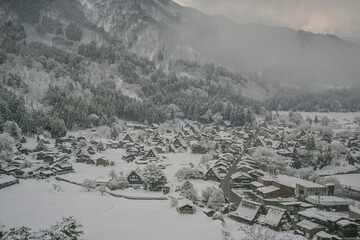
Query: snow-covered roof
<point>326,200</point>
<point>292,181</point>
<point>184,202</point>
<point>268,189</point>
<point>290,203</point>
<point>326,235</point>
<point>308,225</point>
<point>240,175</point>
<point>257,184</point>
<point>5,179</point>
<point>274,216</point>
<point>322,215</point>
<point>247,210</point>
<point>346,222</point>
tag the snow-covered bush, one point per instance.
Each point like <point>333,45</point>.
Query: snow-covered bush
<point>57,187</point>
<point>13,129</point>
<point>216,200</point>
<point>206,193</point>
<point>67,229</point>
<point>118,183</point>
<point>188,191</point>
<point>89,184</point>
<point>173,202</point>
<point>6,147</point>
<point>154,178</point>
<point>185,173</point>
<point>102,189</point>
<point>218,216</point>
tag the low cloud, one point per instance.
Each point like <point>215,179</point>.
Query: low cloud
<point>339,17</point>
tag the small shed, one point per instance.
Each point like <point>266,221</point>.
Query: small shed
<point>185,206</point>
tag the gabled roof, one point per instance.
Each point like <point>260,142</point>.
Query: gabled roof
<point>248,210</point>
<point>184,202</point>
<point>274,216</point>
<point>268,189</point>
<point>326,200</point>
<point>314,213</point>
<point>153,150</point>
<point>5,178</point>
<point>308,225</point>
<point>240,175</point>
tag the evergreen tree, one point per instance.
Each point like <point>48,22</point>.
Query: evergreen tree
<point>316,120</point>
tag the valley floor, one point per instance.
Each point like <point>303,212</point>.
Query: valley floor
<point>36,204</point>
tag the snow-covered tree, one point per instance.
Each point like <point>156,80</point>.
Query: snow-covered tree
<point>13,129</point>
<point>173,202</point>
<point>7,146</point>
<point>206,193</point>
<point>40,147</point>
<point>67,229</point>
<point>100,147</point>
<point>89,184</point>
<point>113,174</point>
<point>153,177</point>
<point>26,164</point>
<point>216,200</point>
<point>217,118</point>
<point>20,233</point>
<point>119,183</point>
<point>102,189</point>
<point>188,191</point>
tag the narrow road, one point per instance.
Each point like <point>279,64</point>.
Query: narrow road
<point>225,184</point>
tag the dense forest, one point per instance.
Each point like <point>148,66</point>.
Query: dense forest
<point>162,96</point>
<point>333,100</point>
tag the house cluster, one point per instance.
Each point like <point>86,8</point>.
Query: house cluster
<point>38,163</point>
<point>304,218</point>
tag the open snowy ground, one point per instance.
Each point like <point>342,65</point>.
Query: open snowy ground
<point>35,204</point>
<point>172,162</point>
<point>345,120</point>
<point>350,180</point>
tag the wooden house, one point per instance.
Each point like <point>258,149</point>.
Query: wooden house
<point>134,178</point>
<point>248,211</point>
<point>291,207</point>
<point>347,229</point>
<point>185,206</point>
<point>6,181</point>
<point>278,219</point>
<point>129,157</point>
<point>322,235</point>
<point>152,154</point>
<point>179,142</point>
<point>102,162</point>
<point>91,150</point>
<point>131,138</point>
<point>329,203</point>
<point>241,179</point>
<point>308,229</point>
<point>212,175</point>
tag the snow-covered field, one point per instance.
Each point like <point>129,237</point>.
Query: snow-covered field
<point>35,204</point>
<point>346,120</point>
<point>172,163</point>
<point>350,180</point>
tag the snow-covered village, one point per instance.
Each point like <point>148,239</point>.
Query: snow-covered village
<point>179,119</point>
<point>285,177</point>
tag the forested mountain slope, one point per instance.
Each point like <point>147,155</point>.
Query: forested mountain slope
<point>59,71</point>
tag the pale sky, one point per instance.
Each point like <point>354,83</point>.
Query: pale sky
<point>339,17</point>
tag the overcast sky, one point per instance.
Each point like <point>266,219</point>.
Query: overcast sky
<point>340,17</point>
